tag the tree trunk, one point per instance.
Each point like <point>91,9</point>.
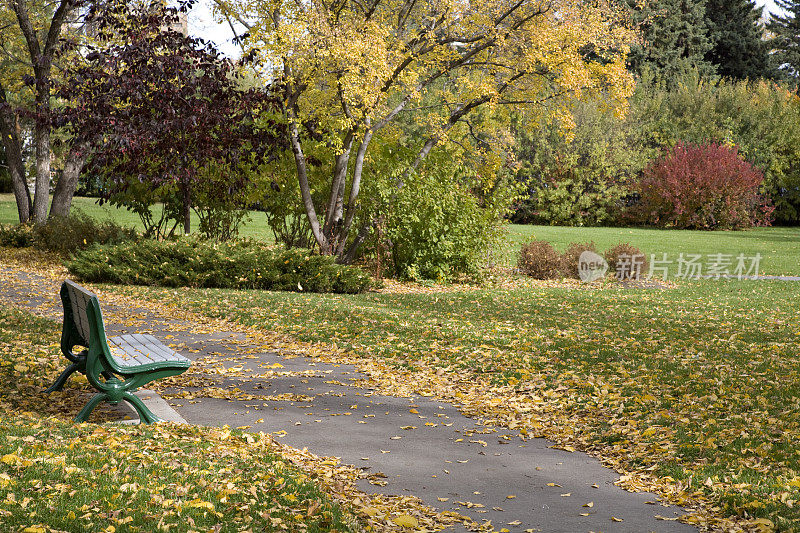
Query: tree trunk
<point>333,216</point>
<point>187,210</point>
<point>41,56</point>
<point>13,150</point>
<point>351,203</point>
<point>305,189</point>
<point>41,133</point>
<point>68,182</point>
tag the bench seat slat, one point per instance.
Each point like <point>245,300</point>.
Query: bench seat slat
<point>144,345</point>
<point>154,348</point>
<point>137,352</point>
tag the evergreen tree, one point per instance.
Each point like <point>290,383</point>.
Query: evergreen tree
<point>675,38</point>
<point>785,27</point>
<point>737,50</point>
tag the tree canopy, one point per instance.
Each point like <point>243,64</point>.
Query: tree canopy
<point>348,69</point>
<point>674,35</point>
<point>164,113</point>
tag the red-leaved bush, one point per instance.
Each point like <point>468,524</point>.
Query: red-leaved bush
<point>701,187</point>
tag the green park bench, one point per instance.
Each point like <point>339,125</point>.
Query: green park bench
<point>116,366</point>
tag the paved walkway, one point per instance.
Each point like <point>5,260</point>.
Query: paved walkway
<point>415,445</point>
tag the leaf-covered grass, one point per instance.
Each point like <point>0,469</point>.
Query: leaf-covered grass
<point>698,385</point>
<point>68,477</point>
<point>56,475</point>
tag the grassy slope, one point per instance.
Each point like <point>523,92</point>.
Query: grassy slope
<point>700,383</point>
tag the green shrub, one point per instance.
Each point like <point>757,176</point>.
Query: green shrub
<point>577,179</point>
<point>438,229</point>
<point>569,259</point>
<point>66,235</point>
<point>539,260</point>
<point>190,262</point>
<point>77,231</point>
<point>627,261</point>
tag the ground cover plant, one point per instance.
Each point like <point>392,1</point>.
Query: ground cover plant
<point>61,476</point>
<point>691,391</point>
<point>190,262</point>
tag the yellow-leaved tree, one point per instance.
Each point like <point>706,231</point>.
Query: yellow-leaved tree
<point>347,69</point>
<point>32,31</point>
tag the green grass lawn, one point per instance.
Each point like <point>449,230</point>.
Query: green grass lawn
<point>699,385</point>
<point>779,247</point>
<point>255,227</point>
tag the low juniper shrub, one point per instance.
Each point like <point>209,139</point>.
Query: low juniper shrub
<point>191,262</point>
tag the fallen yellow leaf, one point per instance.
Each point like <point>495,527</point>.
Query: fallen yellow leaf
<point>405,520</point>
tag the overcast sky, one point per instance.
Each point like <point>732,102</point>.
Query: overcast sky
<point>201,24</point>
<point>770,4</point>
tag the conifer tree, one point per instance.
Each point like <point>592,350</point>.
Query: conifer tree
<point>674,38</point>
<point>785,28</point>
<point>738,50</point>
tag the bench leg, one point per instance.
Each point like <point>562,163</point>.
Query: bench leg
<point>145,415</point>
<point>96,399</point>
<point>63,378</point>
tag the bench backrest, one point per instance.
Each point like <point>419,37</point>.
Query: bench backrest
<point>80,300</point>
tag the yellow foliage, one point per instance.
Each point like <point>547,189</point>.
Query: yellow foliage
<point>352,67</point>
